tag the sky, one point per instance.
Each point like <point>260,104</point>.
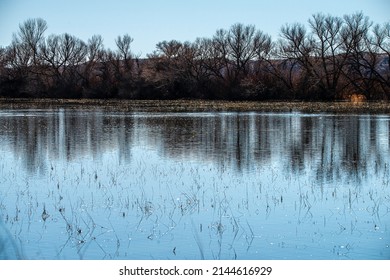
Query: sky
<point>150,22</point>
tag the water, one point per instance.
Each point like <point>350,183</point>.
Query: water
<point>98,184</point>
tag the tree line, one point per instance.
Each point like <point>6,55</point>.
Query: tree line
<point>331,58</point>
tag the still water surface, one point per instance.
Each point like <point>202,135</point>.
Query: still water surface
<point>98,184</point>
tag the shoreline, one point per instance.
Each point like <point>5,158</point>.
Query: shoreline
<point>181,105</point>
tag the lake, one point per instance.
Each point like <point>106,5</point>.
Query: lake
<point>103,184</point>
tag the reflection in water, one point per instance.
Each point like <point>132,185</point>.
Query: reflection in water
<point>195,185</point>
<point>331,146</point>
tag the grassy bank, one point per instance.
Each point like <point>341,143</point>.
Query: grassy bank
<point>198,105</point>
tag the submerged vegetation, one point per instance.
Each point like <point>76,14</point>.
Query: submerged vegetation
<point>335,58</point>
<point>80,183</point>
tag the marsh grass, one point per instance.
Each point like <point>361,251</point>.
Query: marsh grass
<point>199,105</point>
<point>106,219</point>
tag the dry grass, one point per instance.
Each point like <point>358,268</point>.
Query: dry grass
<point>199,105</point>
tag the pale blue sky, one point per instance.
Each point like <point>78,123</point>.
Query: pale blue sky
<point>150,22</point>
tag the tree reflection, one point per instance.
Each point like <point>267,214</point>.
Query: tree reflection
<point>326,147</point>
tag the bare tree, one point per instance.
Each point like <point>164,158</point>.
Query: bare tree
<point>119,68</point>
<point>64,51</point>
<point>333,58</point>
<point>24,56</point>
<point>29,36</point>
<point>63,54</point>
<point>355,30</point>
<point>296,43</point>
<point>356,46</point>
<point>236,53</point>
<point>2,59</point>
<point>327,52</point>
<point>169,49</point>
<point>3,68</point>
<point>296,50</point>
<point>91,73</point>
<point>124,50</point>
<point>200,66</point>
<point>164,69</point>
<point>245,43</point>
<point>94,48</point>
<point>380,40</point>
